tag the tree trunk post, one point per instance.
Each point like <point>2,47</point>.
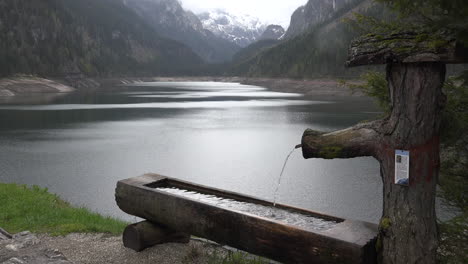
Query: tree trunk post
<point>407,230</point>
<point>415,75</point>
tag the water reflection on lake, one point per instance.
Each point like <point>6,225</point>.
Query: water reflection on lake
<point>223,135</point>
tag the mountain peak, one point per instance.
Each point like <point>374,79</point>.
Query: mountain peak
<point>240,29</point>
<point>273,32</point>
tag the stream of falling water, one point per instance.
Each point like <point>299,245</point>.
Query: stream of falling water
<point>308,222</point>
<point>275,197</point>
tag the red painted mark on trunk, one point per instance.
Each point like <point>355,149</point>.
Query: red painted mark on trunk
<point>427,155</point>
<point>421,157</point>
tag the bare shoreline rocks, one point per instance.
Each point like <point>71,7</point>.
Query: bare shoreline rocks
<point>25,85</point>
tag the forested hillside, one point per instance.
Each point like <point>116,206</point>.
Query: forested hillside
<point>245,55</point>
<point>93,37</point>
<point>320,52</point>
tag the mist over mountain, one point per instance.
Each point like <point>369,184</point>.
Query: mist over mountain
<point>170,20</point>
<point>239,29</point>
<point>93,37</point>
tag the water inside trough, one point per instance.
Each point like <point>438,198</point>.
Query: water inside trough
<point>304,221</point>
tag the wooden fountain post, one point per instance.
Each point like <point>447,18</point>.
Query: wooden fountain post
<point>415,75</point>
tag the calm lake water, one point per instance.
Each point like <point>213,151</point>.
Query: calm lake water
<point>224,135</point>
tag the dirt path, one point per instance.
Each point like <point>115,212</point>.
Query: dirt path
<point>28,248</point>
<point>100,248</point>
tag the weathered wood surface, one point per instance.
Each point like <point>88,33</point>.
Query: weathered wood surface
<point>145,234</point>
<point>407,47</point>
<point>348,242</point>
<point>408,230</point>
<point>352,142</point>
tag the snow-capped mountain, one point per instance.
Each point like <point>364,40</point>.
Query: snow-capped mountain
<point>240,29</point>
<point>273,32</point>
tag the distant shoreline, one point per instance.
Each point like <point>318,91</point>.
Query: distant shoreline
<point>327,87</point>
<point>28,86</point>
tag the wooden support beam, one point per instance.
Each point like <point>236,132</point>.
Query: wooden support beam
<point>357,141</point>
<point>406,47</point>
<point>145,234</point>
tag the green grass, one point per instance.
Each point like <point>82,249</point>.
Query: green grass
<point>37,210</point>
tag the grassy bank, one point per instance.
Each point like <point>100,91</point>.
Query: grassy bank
<point>34,209</point>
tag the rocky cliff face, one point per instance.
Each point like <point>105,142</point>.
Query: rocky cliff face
<point>314,13</point>
<point>319,52</point>
<point>170,20</point>
<point>273,32</point>
<point>239,29</point>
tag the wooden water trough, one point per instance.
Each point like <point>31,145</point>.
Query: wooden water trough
<point>172,217</point>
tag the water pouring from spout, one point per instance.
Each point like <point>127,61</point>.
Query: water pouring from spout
<point>275,197</point>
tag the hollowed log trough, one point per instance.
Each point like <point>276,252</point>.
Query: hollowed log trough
<point>172,216</point>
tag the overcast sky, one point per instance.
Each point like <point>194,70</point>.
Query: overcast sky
<point>269,11</point>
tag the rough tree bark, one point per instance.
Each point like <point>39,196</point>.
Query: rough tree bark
<point>407,231</point>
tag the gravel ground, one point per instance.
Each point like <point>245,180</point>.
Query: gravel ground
<point>101,248</point>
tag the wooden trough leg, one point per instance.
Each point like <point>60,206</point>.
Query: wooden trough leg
<point>145,234</point>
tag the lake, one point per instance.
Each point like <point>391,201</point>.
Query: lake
<point>224,135</point>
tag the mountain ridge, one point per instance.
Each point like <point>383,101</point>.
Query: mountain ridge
<point>273,32</point>
<point>169,19</point>
<point>91,37</point>
<point>319,51</point>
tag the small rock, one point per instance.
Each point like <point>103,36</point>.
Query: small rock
<point>24,239</point>
<point>22,234</point>
<point>12,247</point>
<point>14,261</point>
<point>54,254</point>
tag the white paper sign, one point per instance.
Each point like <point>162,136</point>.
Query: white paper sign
<point>402,161</point>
